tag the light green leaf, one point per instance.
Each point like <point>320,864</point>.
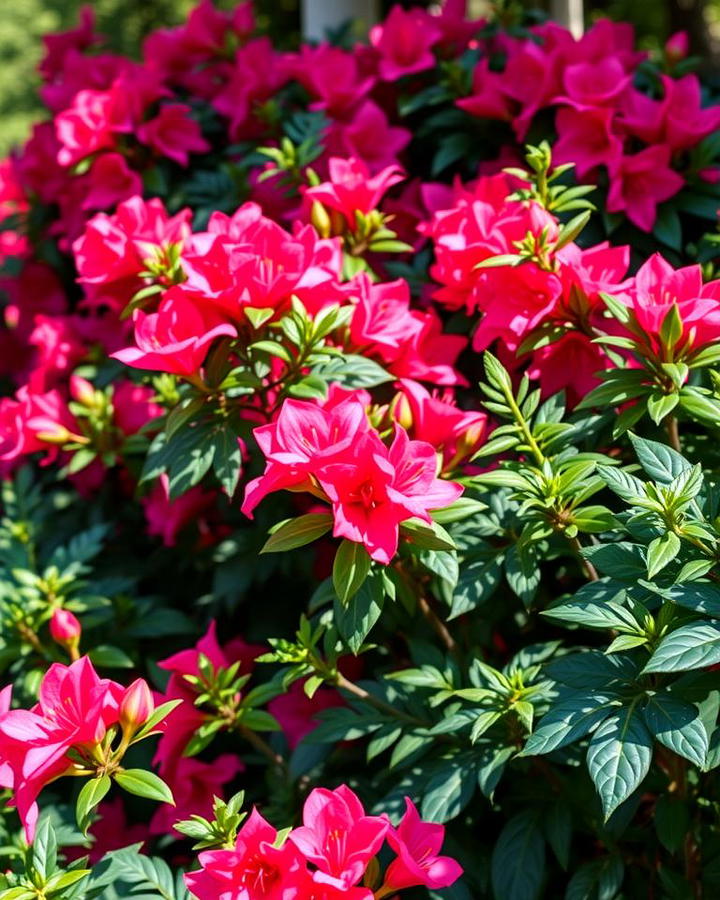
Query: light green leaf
<point>144,784</point>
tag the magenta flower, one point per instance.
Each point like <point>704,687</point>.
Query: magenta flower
<point>640,182</point>
<point>337,836</point>
<point>303,437</point>
<point>417,845</point>
<point>254,870</point>
<point>351,189</point>
<point>75,708</point>
<point>404,42</point>
<point>174,133</point>
<point>176,338</point>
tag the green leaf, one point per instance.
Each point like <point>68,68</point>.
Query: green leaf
<point>597,880</point>
<point>355,619</point>
<point>91,794</point>
<point>106,657</point>
<point>522,571</point>
<point>660,405</point>
<point>662,463</point>
<point>352,371</point>
<point>227,459</point>
<point>44,849</point>
<point>144,784</point>
<point>571,717</point>
<point>426,536</point>
<point>678,726</point>
<point>449,791</point>
<point>693,646</point>
<point>701,598</point>
<point>624,561</point>
<point>297,532</point>
<point>557,825</point>
<point>350,569</point>
<point>518,859</point>
<point>592,670</point>
<point>661,551</point>
<point>594,606</point>
<point>672,821</point>
<point>619,756</point>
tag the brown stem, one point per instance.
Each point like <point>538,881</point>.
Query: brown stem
<point>262,746</point>
<point>438,626</point>
<point>342,682</point>
<point>587,567</point>
<point>671,426</point>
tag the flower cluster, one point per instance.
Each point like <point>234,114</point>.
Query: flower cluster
<point>602,119</point>
<point>327,856</point>
<point>69,731</point>
<point>335,454</point>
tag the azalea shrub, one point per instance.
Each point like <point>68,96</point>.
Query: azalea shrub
<point>360,524</point>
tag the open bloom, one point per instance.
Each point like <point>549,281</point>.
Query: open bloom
<point>255,869</point>
<point>75,708</point>
<point>418,862</point>
<point>334,454</point>
<point>337,836</point>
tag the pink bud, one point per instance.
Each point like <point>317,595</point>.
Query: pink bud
<point>137,704</point>
<point>82,391</point>
<point>676,46</point>
<point>64,627</point>
<point>711,175</point>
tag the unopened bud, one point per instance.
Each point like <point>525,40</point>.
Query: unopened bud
<point>137,704</point>
<point>677,46</point>
<point>320,219</point>
<point>82,391</point>
<point>65,628</point>
<point>402,411</point>
<point>54,433</point>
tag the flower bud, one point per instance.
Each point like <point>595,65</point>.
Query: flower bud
<point>65,628</point>
<point>82,391</point>
<point>137,704</point>
<point>320,219</point>
<point>677,46</point>
<point>402,411</point>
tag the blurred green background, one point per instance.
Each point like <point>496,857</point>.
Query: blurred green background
<point>125,22</point>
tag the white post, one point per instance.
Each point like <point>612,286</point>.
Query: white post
<point>570,13</point>
<point>319,15</point>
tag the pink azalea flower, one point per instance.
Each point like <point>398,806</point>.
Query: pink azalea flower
<point>337,836</point>
<point>75,708</point>
<point>110,182</point>
<point>351,189</point>
<point>166,518</point>
<point>303,437</point>
<point>86,127</point>
<point>586,137</point>
<point>173,133</point>
<point>369,136</point>
<point>183,721</point>
<point>640,182</point>
<point>331,75</point>
<point>569,364</point>
<point>254,870</point>
<point>435,419</point>
<point>404,42</point>
<point>417,845</point>
<point>176,338</point>
<point>377,489</point>
<point>657,287</point>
